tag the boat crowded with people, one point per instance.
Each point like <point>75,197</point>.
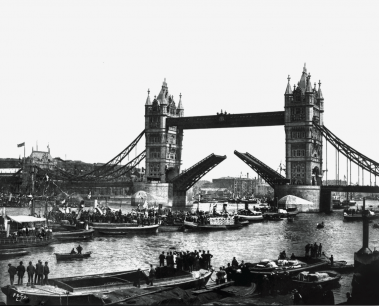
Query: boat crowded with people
<point>93,289</point>
<point>357,215</point>
<point>24,232</point>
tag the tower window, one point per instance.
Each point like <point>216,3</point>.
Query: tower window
<point>155,152</point>
<point>302,152</point>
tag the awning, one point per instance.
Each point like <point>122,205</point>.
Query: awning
<point>26,219</point>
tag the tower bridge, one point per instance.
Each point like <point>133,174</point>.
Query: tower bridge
<point>305,137</point>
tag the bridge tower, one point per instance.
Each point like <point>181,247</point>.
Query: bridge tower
<point>163,145</point>
<point>303,105</point>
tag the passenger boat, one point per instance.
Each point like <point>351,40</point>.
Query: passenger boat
<point>92,289</point>
<point>135,229</point>
<point>358,216</point>
<point>266,266</point>
<point>213,224</point>
<point>252,216</point>
<point>79,234</point>
<point>327,279</point>
<point>13,253</point>
<point>62,256</point>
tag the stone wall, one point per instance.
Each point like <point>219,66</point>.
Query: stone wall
<point>309,193</point>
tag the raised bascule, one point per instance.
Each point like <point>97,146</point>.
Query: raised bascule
<point>305,135</point>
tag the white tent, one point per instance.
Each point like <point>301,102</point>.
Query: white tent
<point>292,201</point>
<point>26,219</point>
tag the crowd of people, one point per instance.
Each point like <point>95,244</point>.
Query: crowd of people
<point>313,250</point>
<point>186,261</point>
<point>37,275</point>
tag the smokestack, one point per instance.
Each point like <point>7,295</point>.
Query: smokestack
<point>248,175</point>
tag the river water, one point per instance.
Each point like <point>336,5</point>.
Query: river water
<point>251,244</point>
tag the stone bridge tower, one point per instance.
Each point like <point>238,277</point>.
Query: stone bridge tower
<point>163,145</point>
<point>303,106</point>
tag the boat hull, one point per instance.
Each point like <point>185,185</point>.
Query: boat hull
<point>171,228</point>
<point>9,253</point>
<point>311,265</point>
<point>251,218</point>
<point>207,227</point>
<point>359,218</point>
<point>24,242</point>
<point>91,296</point>
<point>74,235</point>
<point>148,229</point>
<point>68,256</point>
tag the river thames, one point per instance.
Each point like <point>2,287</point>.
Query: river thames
<point>251,244</point>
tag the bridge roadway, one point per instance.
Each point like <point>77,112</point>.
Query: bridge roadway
<point>350,188</point>
<point>227,120</point>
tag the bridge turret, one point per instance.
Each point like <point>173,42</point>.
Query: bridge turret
<point>309,94</point>
<point>180,109</point>
<point>288,96</point>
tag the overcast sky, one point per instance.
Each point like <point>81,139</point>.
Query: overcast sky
<point>75,74</point>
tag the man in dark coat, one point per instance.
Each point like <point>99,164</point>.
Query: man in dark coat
<point>79,249</point>
<point>12,272</point>
<point>31,270</point>
<point>20,273</point>
<point>161,259</point>
<point>39,271</point>
<point>46,272</point>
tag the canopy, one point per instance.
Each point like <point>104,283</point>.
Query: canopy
<point>26,219</point>
<point>291,201</point>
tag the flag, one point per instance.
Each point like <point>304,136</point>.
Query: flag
<point>21,145</point>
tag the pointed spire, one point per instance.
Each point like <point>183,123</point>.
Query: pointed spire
<point>180,105</point>
<point>320,96</point>
<point>303,79</point>
<point>148,102</point>
<point>288,89</point>
<point>309,85</point>
<point>163,93</point>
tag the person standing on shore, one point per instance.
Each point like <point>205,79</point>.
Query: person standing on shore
<point>31,270</point>
<point>46,272</point>
<point>40,272</point>
<point>12,272</point>
<point>161,259</point>
<point>36,274</point>
<point>20,273</point>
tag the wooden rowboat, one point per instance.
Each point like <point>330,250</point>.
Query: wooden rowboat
<point>330,282</point>
<point>62,256</point>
